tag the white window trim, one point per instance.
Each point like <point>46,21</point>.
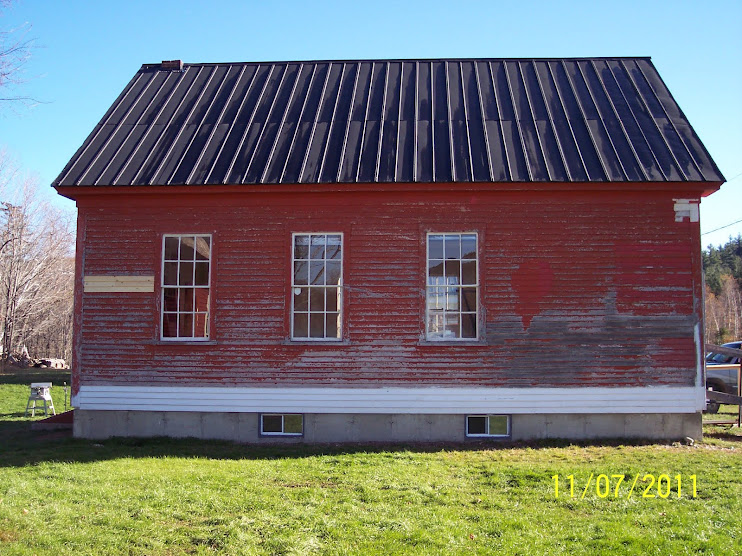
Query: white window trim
<point>283,424</point>
<point>428,336</point>
<point>486,417</point>
<point>181,339</point>
<point>340,286</point>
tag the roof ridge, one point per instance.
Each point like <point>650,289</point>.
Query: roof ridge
<point>392,60</point>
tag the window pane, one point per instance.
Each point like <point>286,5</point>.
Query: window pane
<point>316,299</point>
<point>301,325</point>
<point>203,248</point>
<point>468,246</point>
<point>185,325</point>
<point>332,299</point>
<point>436,298</point>
<point>272,423</point>
<point>476,425</point>
<point>171,248</point>
<point>186,249</point>
<point>435,247</point>
<point>334,247</point>
<point>301,299</point>
<point>469,299</point>
<point>469,272</point>
<point>293,424</point>
<point>317,250</point>
<point>202,300</point>
<point>435,271</point>
<point>170,274</point>
<point>452,272</point>
<point>333,330</point>
<point>301,247</point>
<point>170,299</point>
<point>435,323</point>
<point>170,325</point>
<point>498,425</point>
<point>333,272</point>
<point>452,325</point>
<point>453,247</point>
<point>317,325</point>
<point>469,325</point>
<point>301,272</point>
<point>185,274</point>
<point>201,325</point>
<point>185,300</point>
<point>452,299</point>
<point>202,274</point>
<point>317,272</point>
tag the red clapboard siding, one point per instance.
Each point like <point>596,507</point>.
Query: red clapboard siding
<point>577,289</point>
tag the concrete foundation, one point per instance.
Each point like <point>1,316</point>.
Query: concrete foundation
<point>332,428</point>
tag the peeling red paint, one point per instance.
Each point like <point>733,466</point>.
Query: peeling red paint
<point>532,283</point>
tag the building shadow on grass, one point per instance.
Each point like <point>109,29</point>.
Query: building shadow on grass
<point>28,447</point>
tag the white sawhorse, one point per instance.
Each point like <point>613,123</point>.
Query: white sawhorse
<point>40,393</point>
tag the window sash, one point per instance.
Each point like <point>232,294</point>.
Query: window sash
<point>317,286</point>
<point>185,284</point>
<point>282,424</point>
<point>452,286</point>
<point>493,426</point>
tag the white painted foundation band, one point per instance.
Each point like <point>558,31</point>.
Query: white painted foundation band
<point>421,400</point>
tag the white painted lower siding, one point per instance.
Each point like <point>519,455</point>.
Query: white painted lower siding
<point>423,400</point>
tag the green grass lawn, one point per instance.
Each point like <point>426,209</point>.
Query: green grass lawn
<point>60,495</point>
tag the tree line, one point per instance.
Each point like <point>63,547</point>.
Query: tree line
<point>722,267</point>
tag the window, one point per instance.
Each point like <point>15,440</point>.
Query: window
<point>487,425</point>
<point>186,270</point>
<point>282,424</point>
<point>317,287</point>
<point>452,286</point>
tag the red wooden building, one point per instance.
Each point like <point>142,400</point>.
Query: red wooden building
<point>390,250</point>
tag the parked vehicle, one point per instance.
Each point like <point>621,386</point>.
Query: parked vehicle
<point>721,373</point>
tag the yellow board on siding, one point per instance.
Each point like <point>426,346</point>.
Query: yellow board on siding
<point>119,284</point>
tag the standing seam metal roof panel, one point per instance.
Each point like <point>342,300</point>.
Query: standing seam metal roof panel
<point>393,121</point>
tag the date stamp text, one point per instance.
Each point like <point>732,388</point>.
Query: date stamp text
<point>640,485</point>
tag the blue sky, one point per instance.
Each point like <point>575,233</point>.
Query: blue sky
<point>87,51</point>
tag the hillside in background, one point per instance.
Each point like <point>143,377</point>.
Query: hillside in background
<point>722,267</point>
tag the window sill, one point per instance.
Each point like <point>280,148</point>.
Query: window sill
<point>184,342</point>
<point>467,342</point>
<point>302,342</point>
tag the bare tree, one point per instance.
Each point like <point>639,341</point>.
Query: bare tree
<point>36,274</point>
<point>15,50</point>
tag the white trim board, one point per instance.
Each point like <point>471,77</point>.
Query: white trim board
<point>421,400</point>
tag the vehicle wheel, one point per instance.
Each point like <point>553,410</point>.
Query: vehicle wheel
<point>713,407</point>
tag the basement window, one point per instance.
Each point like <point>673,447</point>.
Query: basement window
<point>488,425</point>
<point>186,279</point>
<point>452,287</point>
<point>281,424</point>
<point>317,286</point>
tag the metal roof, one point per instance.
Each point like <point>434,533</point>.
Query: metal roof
<point>458,120</point>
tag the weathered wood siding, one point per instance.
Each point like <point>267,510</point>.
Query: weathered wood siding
<point>577,289</point>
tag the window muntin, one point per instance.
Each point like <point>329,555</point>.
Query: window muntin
<point>452,287</point>
<point>316,286</point>
<point>186,287</point>
<point>281,424</point>
<point>487,425</point>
